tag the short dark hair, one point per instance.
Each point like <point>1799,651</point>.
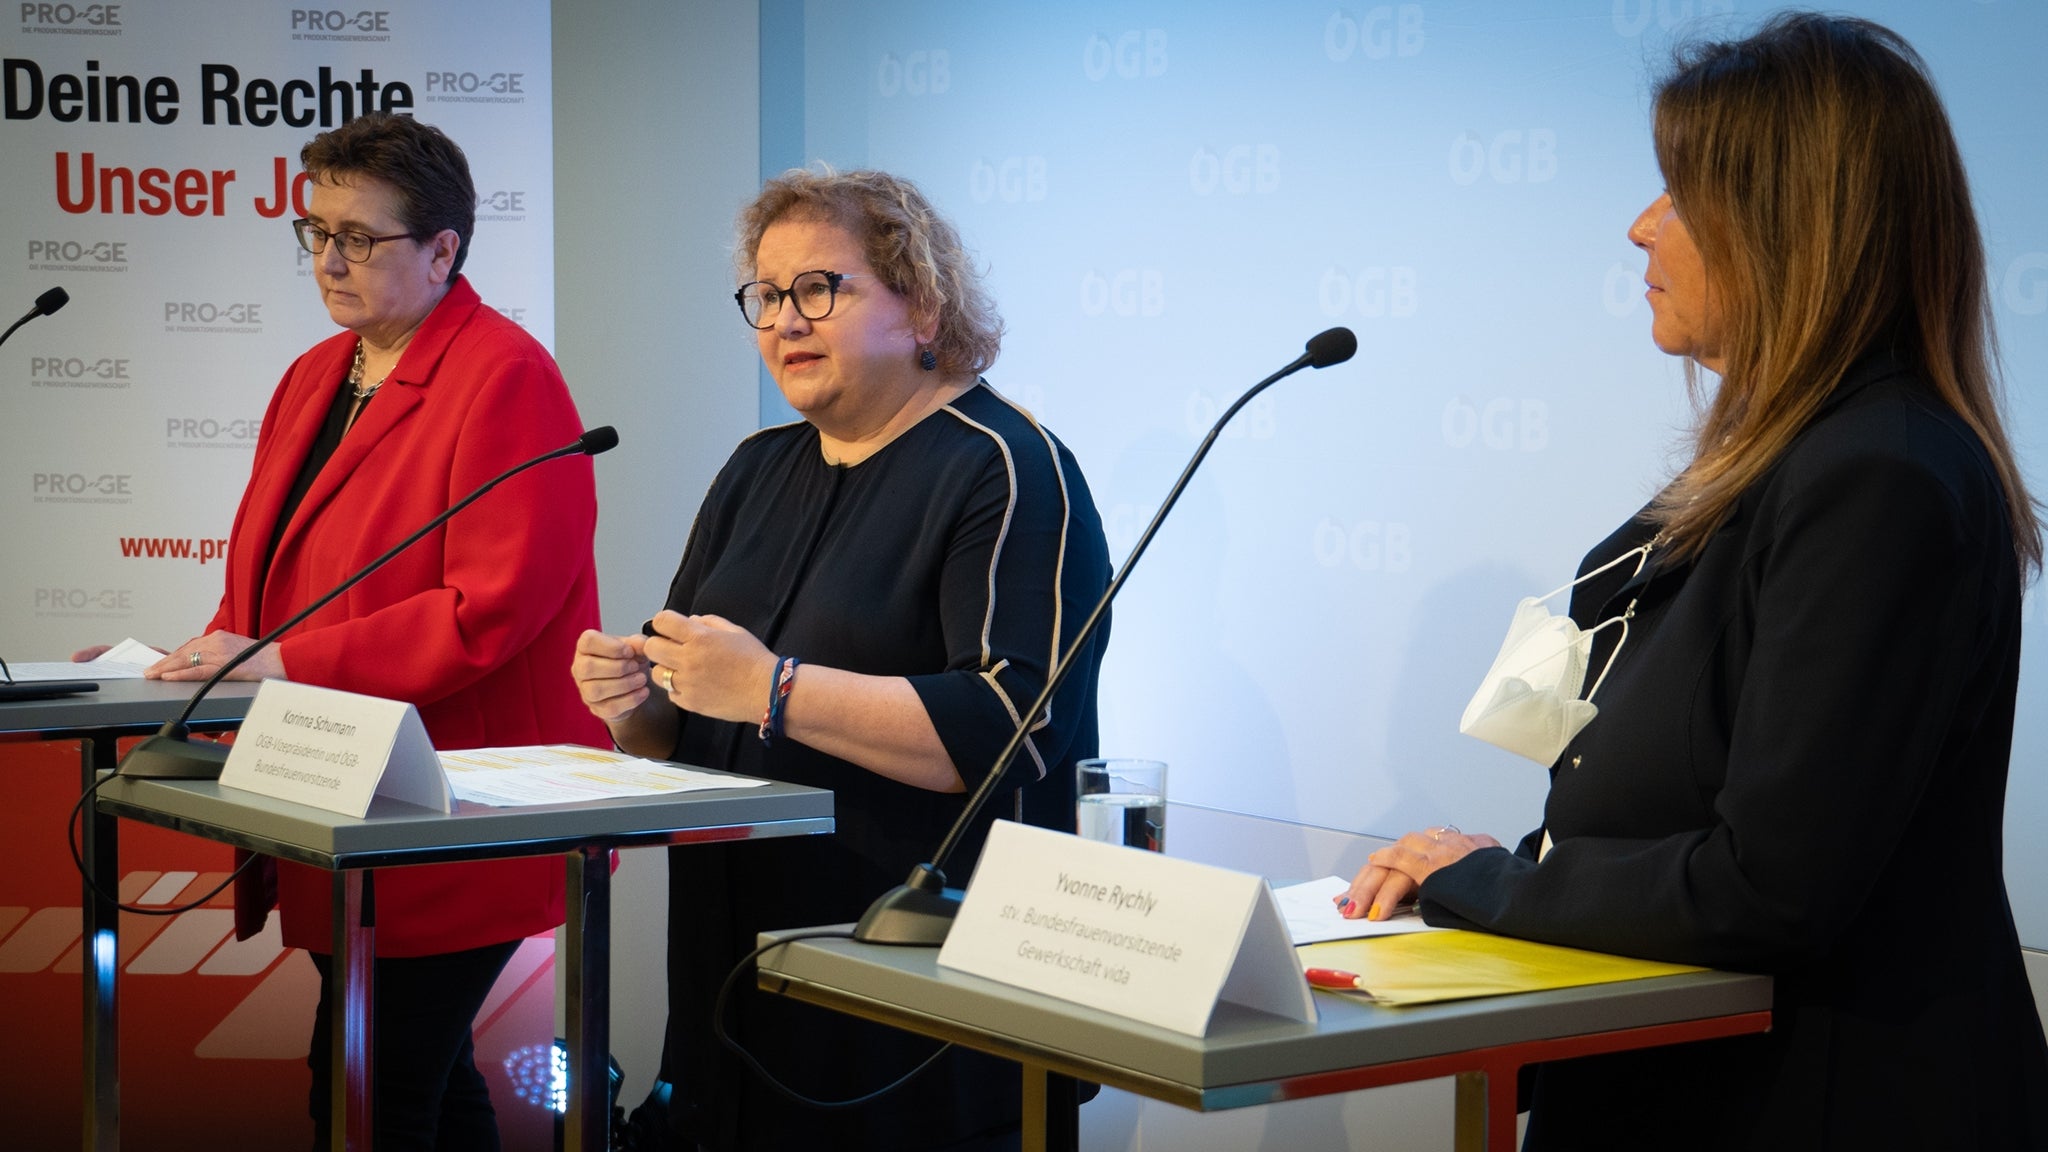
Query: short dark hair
<point>419,161</point>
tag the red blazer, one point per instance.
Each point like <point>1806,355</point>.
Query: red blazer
<point>474,625</point>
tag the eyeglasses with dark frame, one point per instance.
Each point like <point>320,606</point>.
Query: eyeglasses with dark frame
<point>814,293</point>
<point>355,246</point>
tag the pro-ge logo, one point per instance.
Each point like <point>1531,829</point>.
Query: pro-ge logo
<point>1013,180</point>
<point>451,87</point>
<point>1131,55</point>
<point>78,372</point>
<point>927,72</point>
<point>210,432</point>
<point>77,256</point>
<point>502,205</point>
<point>1510,157</point>
<point>1236,170</point>
<point>515,315</point>
<point>335,20</point>
<point>82,488</point>
<point>72,19</point>
<point>1382,32</point>
<point>1632,17</point>
<point>206,316</point>
<point>84,601</point>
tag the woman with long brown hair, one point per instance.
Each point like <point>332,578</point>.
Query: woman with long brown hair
<point>1796,760</point>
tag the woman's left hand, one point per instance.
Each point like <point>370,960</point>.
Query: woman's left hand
<point>1394,873</point>
<point>200,658</point>
<point>711,666</point>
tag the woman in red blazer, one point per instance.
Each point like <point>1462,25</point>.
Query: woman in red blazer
<point>371,433</point>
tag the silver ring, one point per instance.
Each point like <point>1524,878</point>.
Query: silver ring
<point>1437,834</point>
<point>197,659</point>
<point>667,676</point>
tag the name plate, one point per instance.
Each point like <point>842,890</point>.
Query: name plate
<point>1125,931</point>
<point>335,750</point>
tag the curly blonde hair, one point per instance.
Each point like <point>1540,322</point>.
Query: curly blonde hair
<point>913,250</point>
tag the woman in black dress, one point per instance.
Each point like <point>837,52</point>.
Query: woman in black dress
<point>1798,763</point>
<point>867,601</point>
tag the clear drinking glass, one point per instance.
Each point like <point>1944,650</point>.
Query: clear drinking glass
<point>1122,802</point>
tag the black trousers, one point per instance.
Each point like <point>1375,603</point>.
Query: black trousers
<point>428,1095</point>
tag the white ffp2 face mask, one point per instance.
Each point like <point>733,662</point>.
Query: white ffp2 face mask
<point>1529,701</point>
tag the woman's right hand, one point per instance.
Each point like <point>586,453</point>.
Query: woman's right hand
<point>611,673</point>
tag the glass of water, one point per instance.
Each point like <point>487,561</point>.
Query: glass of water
<point>1122,802</point>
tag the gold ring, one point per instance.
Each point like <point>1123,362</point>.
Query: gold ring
<point>667,676</point>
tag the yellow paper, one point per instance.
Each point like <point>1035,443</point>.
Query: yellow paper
<point>1431,966</point>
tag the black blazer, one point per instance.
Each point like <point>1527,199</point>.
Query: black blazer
<point>1798,768</point>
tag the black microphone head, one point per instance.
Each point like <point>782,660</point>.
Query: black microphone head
<point>1331,346</point>
<point>52,300</point>
<point>600,440</point>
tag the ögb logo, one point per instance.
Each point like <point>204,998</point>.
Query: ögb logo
<point>1384,31</point>
<point>925,72</point>
<point>1622,289</point>
<point>102,253</point>
<point>1135,54</point>
<point>1514,156</point>
<point>1367,545</point>
<point>1377,292</point>
<point>335,20</point>
<point>1012,180</point>
<point>1237,170</point>
<point>1258,420</point>
<point>1125,292</point>
<point>1502,424</point>
<point>1632,17</point>
<point>2025,286</point>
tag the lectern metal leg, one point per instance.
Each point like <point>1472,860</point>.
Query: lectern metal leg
<point>586,979</point>
<point>351,1072</point>
<point>102,957</point>
<point>1052,1111</point>
<point>1486,1109</point>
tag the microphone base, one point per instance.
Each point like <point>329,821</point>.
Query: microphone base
<point>172,758</point>
<point>916,917</point>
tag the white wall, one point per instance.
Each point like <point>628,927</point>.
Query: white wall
<point>656,115</point>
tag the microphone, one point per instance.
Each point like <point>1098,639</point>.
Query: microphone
<point>168,755</point>
<point>47,303</point>
<point>920,911</point>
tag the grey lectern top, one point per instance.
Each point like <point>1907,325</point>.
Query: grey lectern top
<point>398,833</point>
<point>126,705</point>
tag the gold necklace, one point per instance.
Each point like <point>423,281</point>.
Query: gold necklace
<point>355,377</point>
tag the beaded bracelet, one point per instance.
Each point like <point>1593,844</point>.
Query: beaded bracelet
<point>778,693</point>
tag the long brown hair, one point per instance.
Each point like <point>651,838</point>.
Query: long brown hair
<point>1815,168</point>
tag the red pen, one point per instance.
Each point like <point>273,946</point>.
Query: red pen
<point>1336,978</point>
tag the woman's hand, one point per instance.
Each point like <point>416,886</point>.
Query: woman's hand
<point>611,673</point>
<point>1394,873</point>
<point>88,655</point>
<point>200,658</point>
<point>710,666</point>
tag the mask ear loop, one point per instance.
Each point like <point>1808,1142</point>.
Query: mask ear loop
<point>1642,557</point>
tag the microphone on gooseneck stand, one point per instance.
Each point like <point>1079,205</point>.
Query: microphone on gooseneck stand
<point>168,755</point>
<point>47,303</point>
<point>920,911</point>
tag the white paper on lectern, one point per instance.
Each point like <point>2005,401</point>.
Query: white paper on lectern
<point>335,750</point>
<point>1125,931</point>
